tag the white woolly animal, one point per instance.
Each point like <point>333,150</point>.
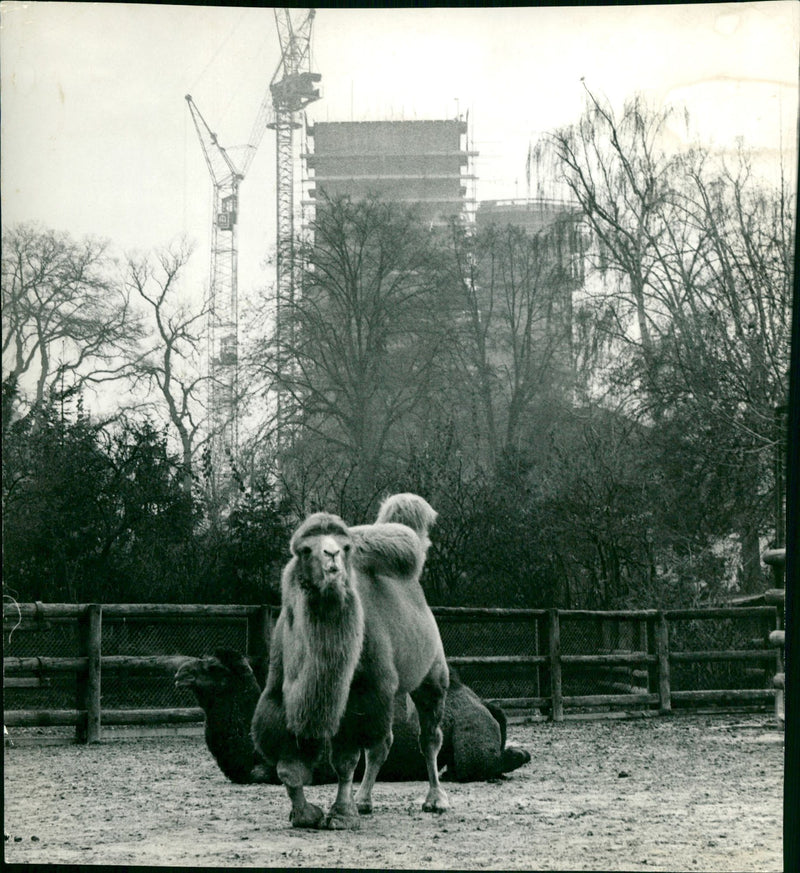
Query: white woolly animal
<point>354,630</point>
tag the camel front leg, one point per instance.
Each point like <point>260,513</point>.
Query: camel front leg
<point>375,755</point>
<point>294,775</point>
<point>343,815</point>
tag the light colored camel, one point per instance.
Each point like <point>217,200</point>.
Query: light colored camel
<point>354,630</point>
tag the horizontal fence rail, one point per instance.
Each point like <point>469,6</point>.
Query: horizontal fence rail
<point>557,659</point>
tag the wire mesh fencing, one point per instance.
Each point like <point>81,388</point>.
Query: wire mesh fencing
<point>694,640</point>
<point>544,659</point>
<point>40,639</point>
<point>127,688</point>
<point>481,646</point>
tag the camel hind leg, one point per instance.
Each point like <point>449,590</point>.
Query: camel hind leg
<point>375,755</point>
<point>429,699</point>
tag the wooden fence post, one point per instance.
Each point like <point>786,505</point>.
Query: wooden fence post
<point>90,628</point>
<point>258,632</point>
<point>537,650</point>
<point>661,634</point>
<point>554,637</point>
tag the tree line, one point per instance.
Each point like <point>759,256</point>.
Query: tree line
<point>594,421</point>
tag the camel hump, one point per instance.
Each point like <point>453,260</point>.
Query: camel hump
<point>233,661</point>
<point>319,524</point>
<point>388,549</point>
<point>409,509</point>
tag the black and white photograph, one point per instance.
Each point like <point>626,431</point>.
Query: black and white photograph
<point>400,436</point>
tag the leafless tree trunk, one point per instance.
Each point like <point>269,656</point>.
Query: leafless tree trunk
<point>515,327</point>
<point>358,345</point>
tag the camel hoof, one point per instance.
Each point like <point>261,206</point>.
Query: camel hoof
<point>309,816</point>
<point>337,821</point>
<point>436,801</point>
<point>364,807</point>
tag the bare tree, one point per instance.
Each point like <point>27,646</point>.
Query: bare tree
<point>695,259</point>
<point>356,351</point>
<point>66,323</point>
<point>514,292</point>
<point>171,368</point>
<point>621,177</point>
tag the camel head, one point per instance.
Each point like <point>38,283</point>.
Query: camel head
<point>213,675</point>
<point>321,547</point>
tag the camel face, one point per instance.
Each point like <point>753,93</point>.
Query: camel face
<point>199,674</point>
<point>322,564</point>
<point>214,674</point>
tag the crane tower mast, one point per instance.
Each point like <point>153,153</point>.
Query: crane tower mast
<point>293,87</point>
<point>223,312</point>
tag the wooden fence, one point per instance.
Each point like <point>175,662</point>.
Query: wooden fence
<point>648,661</point>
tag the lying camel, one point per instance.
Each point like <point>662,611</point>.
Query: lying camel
<point>348,639</point>
<point>474,733</point>
<point>227,690</point>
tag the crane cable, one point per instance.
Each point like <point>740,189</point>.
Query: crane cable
<point>219,48</point>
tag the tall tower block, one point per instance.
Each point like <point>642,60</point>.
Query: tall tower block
<point>422,162</point>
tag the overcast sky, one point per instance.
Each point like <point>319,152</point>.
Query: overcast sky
<point>97,137</point>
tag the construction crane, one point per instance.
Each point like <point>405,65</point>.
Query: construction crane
<point>223,313</point>
<point>292,88</point>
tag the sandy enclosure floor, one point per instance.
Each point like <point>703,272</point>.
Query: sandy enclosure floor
<point>672,794</point>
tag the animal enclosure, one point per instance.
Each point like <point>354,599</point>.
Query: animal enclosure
<point>686,793</point>
<point>88,665</point>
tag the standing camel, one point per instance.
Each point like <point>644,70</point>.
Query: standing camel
<point>353,631</point>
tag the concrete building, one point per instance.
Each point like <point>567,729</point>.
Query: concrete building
<point>556,220</point>
<point>422,162</point>
<point>562,240</point>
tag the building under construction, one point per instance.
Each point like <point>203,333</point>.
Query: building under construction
<point>421,162</point>
<point>556,221</point>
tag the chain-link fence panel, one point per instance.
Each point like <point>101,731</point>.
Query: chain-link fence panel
<point>741,633</point>
<point>122,687</point>
<point>595,634</point>
<point>490,635</point>
<point>40,639</point>
<point>133,689</point>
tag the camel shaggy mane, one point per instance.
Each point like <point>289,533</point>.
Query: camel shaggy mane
<point>323,636</point>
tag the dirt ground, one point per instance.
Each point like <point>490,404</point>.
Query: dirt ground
<point>686,792</point>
